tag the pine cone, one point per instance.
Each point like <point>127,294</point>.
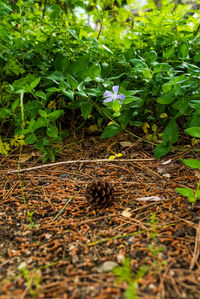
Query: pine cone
<point>99,194</point>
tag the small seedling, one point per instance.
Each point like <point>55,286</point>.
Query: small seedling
<point>32,279</point>
<point>188,192</point>
<point>153,247</point>
<point>124,274</point>
<point>32,223</point>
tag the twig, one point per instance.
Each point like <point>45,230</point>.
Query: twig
<point>196,248</point>
<point>127,235</point>
<point>78,161</point>
<point>60,212</point>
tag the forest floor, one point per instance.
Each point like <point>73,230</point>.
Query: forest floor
<point>54,245</point>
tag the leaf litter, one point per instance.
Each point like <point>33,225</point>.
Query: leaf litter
<point>53,245</point>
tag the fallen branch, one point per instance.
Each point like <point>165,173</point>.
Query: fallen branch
<point>78,161</point>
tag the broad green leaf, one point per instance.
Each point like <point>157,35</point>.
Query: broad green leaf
<point>72,82</point>
<point>80,66</point>
<point>161,150</point>
<point>61,63</point>
<point>131,99</point>
<point>116,106</point>
<point>35,83</point>
<point>52,131</point>
<point>4,113</point>
<point>151,56</point>
<point>171,132</point>
<point>30,138</point>
<point>54,115</point>
<point>194,132</point>
<point>161,67</point>
<point>169,52</point>
<point>167,98</point>
<point>56,76</point>
<point>86,109</point>
<point>184,52</point>
<point>68,93</point>
<point>42,113</point>
<point>31,125</point>
<point>193,163</point>
<point>189,193</point>
<point>94,71</point>
<point>110,131</point>
<point>64,85</point>
<point>14,105</point>
<point>41,94</point>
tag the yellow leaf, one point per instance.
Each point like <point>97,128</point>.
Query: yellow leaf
<point>112,157</point>
<point>93,128</point>
<point>145,127</point>
<point>163,115</point>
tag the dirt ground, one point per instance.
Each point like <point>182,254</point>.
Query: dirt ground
<point>54,245</point>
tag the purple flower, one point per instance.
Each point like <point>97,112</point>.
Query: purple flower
<point>113,96</point>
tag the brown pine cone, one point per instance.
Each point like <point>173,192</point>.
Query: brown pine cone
<point>99,194</point>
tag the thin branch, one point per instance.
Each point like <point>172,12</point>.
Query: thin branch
<point>78,161</point>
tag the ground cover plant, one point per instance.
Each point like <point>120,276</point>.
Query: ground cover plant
<point>109,91</point>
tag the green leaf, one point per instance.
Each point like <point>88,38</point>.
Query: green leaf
<point>61,63</point>
<point>30,138</point>
<point>171,132</point>
<point>193,131</point>
<point>52,131</point>
<point>81,65</point>
<point>166,98</point>
<point>116,106</point>
<point>41,94</point>
<point>162,67</point>
<point>68,93</point>
<point>42,113</point>
<point>189,193</point>
<point>193,163</point>
<point>56,76</point>
<point>169,52</point>
<point>151,56</point>
<point>54,115</point>
<point>86,109</point>
<point>110,131</point>
<point>94,71</point>
<point>183,52</point>
<point>131,99</point>
<point>72,82</point>
<point>31,125</point>
<point>35,83</point>
<point>161,150</point>
<point>4,113</point>
<point>14,105</point>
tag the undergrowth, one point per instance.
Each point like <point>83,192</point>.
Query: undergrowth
<point>57,60</point>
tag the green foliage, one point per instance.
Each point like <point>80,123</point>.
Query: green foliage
<point>124,273</point>
<point>55,69</point>
<point>32,279</point>
<point>195,164</point>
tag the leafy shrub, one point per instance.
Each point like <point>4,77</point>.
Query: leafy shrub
<point>53,63</point>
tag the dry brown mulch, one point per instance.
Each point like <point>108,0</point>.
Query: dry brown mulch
<point>66,248</point>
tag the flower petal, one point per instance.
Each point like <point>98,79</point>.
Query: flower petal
<point>107,94</point>
<point>108,100</point>
<point>115,89</point>
<point>121,97</point>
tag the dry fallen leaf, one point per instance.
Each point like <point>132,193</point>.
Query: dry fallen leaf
<point>125,144</point>
<point>126,213</point>
<point>148,198</point>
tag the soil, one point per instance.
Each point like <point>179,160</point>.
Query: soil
<point>53,244</point>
